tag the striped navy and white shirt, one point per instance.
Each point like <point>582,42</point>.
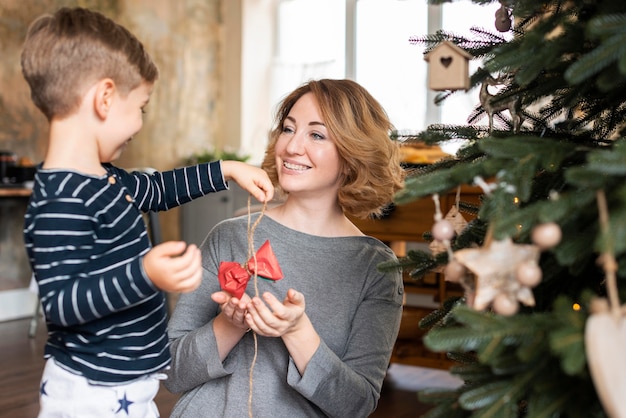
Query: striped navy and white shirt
<point>86,238</point>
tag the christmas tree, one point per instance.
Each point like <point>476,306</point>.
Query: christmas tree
<point>540,331</point>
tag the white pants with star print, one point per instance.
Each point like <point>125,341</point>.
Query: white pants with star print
<point>63,394</point>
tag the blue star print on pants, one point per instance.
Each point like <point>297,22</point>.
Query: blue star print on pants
<point>124,404</point>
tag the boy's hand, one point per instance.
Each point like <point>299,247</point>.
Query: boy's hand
<point>251,178</point>
<point>174,268</point>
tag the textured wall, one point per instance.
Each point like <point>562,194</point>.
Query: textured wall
<point>183,37</point>
<point>183,117</point>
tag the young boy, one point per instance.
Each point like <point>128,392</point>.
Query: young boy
<point>100,281</point>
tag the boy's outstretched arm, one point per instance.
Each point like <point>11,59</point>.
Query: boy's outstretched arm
<point>253,179</point>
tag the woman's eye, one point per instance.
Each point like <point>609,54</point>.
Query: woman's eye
<point>287,129</point>
<point>315,135</point>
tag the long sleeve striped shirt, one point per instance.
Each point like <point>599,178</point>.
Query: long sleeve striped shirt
<point>86,238</point>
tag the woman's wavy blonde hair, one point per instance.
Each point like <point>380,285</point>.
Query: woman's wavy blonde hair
<point>360,128</point>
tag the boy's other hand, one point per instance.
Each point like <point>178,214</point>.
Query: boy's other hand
<point>253,179</point>
<point>174,267</point>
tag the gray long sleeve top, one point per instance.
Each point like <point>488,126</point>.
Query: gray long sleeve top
<point>354,308</point>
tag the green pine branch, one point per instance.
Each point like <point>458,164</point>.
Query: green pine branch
<point>567,66</point>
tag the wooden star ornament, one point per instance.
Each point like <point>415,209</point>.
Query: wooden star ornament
<point>496,268</point>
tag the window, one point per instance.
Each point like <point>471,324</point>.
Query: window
<point>367,40</point>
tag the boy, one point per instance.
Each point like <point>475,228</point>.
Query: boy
<point>100,282</point>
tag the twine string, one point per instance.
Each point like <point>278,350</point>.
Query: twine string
<point>607,259</point>
<point>252,254</point>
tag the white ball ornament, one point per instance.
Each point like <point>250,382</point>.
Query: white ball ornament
<point>505,304</point>
<point>546,235</point>
<point>443,230</point>
<point>528,274</point>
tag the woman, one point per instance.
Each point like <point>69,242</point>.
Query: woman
<point>321,336</point>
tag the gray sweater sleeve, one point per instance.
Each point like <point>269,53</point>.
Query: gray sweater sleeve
<point>193,345</point>
<point>349,386</point>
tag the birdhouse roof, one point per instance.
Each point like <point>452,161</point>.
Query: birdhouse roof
<point>448,45</point>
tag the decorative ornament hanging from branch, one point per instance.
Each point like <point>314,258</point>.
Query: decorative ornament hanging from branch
<point>445,228</point>
<point>605,332</point>
<point>492,104</point>
<point>503,21</point>
<point>448,67</point>
<point>500,274</point>
<point>504,274</point>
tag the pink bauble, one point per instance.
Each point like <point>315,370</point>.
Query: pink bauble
<point>443,230</point>
<point>546,235</point>
<point>454,271</point>
<point>505,304</point>
<point>528,273</point>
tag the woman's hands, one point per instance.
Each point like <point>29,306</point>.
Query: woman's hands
<point>271,318</point>
<point>230,325</point>
<point>233,310</point>
<point>268,317</point>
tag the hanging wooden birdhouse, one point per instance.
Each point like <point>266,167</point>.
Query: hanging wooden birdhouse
<point>448,67</point>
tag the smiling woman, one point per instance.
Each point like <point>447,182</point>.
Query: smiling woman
<point>321,337</point>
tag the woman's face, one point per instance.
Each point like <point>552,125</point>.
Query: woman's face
<point>307,159</point>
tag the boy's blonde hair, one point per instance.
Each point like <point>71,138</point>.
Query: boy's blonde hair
<point>65,53</point>
<point>360,128</point>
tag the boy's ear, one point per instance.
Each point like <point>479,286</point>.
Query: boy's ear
<point>103,99</point>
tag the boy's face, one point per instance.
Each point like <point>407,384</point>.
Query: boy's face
<point>125,120</point>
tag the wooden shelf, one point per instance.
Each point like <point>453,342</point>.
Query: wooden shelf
<point>16,300</point>
<point>15,192</point>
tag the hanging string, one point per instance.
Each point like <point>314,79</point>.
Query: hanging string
<point>252,254</point>
<point>438,215</point>
<point>487,188</point>
<point>607,259</point>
